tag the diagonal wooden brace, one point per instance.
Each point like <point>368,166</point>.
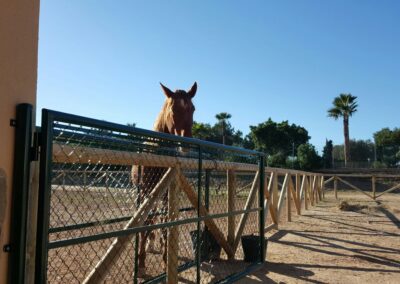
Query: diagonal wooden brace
<point>212,227</point>
<point>101,269</point>
<point>248,205</point>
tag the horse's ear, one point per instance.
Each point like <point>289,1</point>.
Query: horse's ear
<point>193,90</point>
<point>167,91</point>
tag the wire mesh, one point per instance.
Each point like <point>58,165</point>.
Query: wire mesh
<point>124,207</point>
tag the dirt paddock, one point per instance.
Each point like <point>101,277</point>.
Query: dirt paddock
<point>327,245</point>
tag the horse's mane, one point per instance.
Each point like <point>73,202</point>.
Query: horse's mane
<point>160,124</point>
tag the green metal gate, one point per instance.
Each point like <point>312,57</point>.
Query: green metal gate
<point>104,186</point>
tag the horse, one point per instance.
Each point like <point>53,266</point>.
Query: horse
<point>175,117</point>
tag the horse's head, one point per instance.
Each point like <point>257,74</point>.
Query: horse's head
<point>178,111</point>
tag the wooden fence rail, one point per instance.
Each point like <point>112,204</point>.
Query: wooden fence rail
<point>369,192</point>
<point>282,187</point>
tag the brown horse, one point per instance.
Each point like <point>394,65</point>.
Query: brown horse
<point>176,117</point>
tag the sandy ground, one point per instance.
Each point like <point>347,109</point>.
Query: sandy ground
<point>327,245</point>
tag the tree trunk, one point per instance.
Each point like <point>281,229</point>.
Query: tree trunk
<point>346,140</point>
<point>223,132</point>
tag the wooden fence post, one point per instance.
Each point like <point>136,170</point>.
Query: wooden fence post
<point>335,186</point>
<point>275,196</point>
<point>311,189</point>
<point>288,199</point>
<point>298,193</point>
<point>173,232</point>
<point>374,187</point>
<point>305,189</point>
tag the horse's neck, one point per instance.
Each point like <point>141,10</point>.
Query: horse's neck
<point>160,124</point>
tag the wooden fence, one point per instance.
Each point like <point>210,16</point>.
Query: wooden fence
<point>370,192</point>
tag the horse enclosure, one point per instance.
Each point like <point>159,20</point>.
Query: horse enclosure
<point>102,187</point>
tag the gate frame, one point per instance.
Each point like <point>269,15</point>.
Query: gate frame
<point>43,245</point>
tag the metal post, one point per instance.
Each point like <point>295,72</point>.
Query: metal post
<point>136,252</point>
<point>44,197</point>
<point>261,205</point>
<point>21,174</point>
<point>198,240</point>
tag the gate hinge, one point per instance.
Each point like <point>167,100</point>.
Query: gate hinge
<point>35,149</point>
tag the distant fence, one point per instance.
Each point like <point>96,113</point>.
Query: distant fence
<point>371,185</point>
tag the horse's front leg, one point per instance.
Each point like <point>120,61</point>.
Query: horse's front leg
<point>164,237</point>
<point>142,254</point>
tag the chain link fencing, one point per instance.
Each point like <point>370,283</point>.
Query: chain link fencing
<point>124,205</point>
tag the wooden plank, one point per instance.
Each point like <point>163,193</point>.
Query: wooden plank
<point>63,153</point>
<point>367,175</point>
<point>315,189</point>
<point>270,227</point>
<point>288,200</point>
<point>212,227</point>
<point>354,187</point>
<point>231,186</point>
<point>318,188</point>
<point>298,189</point>
<point>266,197</point>
<point>275,198</point>
<point>373,181</point>
<point>311,190</point>
<point>249,203</point>
<point>294,195</point>
<point>305,182</point>
<point>173,234</point>
<point>335,186</point>
<point>271,186</point>
<point>282,195</point>
<point>389,190</point>
<point>323,186</point>
<point>329,180</point>
<point>101,268</point>
<point>282,171</point>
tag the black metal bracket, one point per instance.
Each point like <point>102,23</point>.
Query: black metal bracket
<point>7,248</point>
<point>35,149</point>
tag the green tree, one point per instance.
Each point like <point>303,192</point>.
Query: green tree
<point>223,118</point>
<point>248,142</point>
<point>203,131</point>
<point>387,146</point>
<point>327,154</point>
<point>345,105</point>
<point>271,137</point>
<point>361,151</point>
<point>277,160</point>
<point>213,133</point>
<point>307,157</point>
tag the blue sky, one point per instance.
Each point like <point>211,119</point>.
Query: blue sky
<point>254,59</point>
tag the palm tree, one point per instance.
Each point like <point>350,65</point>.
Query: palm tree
<point>222,118</point>
<point>345,105</point>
